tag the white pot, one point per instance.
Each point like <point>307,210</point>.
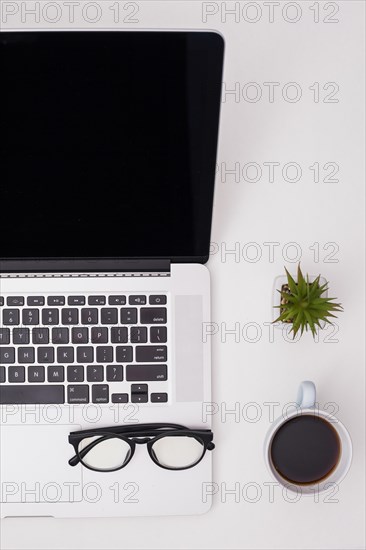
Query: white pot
<point>276,297</point>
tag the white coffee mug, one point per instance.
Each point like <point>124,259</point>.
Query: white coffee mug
<point>306,405</point>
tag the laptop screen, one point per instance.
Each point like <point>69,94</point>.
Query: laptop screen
<point>108,143</point>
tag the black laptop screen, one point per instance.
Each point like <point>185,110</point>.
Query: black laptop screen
<point>108,143</point>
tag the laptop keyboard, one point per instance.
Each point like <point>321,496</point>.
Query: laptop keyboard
<point>83,349</point>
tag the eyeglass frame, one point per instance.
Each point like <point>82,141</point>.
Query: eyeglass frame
<point>136,431</point>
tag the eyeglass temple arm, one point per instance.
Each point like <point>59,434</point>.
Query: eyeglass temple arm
<point>76,458</point>
<point>127,429</point>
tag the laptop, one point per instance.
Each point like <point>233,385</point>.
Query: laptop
<point>108,153</point>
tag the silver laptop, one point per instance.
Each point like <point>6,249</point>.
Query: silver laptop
<point>108,151</point>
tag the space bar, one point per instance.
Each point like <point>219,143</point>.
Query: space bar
<point>29,395</point>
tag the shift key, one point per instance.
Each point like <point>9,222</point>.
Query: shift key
<point>146,373</point>
<point>151,354</point>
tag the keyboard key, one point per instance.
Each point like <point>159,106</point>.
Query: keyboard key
<point>159,398</point>
<point>50,317</point>
<point>89,316</point>
<point>40,336</point>
<point>76,300</point>
<point>95,373</point>
<point>97,300</point>
<point>36,374</point>
<point>138,335</point>
<point>148,354</point>
<point>80,335</point>
<point>104,354</point>
<point>148,373</point>
<point>85,354</point>
<point>45,355</point>
<point>70,316</point>
<point>25,355</point>
<point>15,301</point>
<point>16,374</point>
<point>153,315</point>
<point>119,397</point>
<point>157,300</point>
<point>139,388</point>
<point>56,300</point>
<point>60,336</point>
<point>2,375</point>
<point>124,354</point>
<point>100,393</point>
<point>1,301</point>
<point>75,374</point>
<point>78,394</point>
<point>99,335</point>
<point>20,336</point>
<point>117,300</point>
<point>7,356</point>
<point>27,395</point>
<point>128,316</point>
<point>10,316</point>
<point>65,355</point>
<point>55,374</point>
<point>35,301</point>
<point>109,316</point>
<point>30,317</point>
<point>137,300</point>
<point>114,373</point>
<point>158,335</point>
<point>139,397</point>
<point>119,335</point>
<point>5,336</point>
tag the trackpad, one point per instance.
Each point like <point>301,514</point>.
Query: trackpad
<point>189,348</point>
<point>34,465</point>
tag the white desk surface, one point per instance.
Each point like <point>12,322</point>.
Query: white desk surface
<point>304,212</point>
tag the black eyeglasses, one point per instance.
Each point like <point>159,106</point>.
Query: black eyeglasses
<point>170,446</point>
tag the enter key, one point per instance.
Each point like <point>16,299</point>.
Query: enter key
<point>150,354</point>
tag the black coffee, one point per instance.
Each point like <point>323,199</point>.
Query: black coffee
<point>305,449</point>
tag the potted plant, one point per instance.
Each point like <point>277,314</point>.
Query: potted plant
<point>304,303</point>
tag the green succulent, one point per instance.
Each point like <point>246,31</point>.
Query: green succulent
<point>303,305</point>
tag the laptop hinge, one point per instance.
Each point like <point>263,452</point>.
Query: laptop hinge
<point>86,265</point>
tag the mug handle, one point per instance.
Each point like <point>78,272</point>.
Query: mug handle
<point>306,395</point>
